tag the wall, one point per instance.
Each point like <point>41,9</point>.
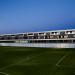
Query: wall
<point>48,45</point>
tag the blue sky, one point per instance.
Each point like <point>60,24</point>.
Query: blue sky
<point>18,16</point>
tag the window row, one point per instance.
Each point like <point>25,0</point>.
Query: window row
<point>51,41</point>
<point>40,41</point>
<point>39,37</point>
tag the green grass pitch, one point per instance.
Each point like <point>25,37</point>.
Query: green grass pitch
<point>36,61</point>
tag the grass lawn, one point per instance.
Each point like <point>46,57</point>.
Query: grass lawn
<point>36,61</point>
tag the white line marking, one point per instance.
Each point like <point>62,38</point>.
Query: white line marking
<point>74,72</point>
<point>57,64</point>
<point>13,64</point>
<point>4,73</point>
<point>23,59</point>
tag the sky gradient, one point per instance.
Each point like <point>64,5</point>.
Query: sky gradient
<point>17,16</point>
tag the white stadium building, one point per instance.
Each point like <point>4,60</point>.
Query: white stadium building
<point>49,39</point>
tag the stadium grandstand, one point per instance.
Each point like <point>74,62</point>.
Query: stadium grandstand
<point>52,39</point>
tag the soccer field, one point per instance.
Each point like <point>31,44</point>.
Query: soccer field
<point>36,61</point>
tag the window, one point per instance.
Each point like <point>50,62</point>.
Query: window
<point>70,31</point>
<point>35,34</point>
<point>73,41</point>
<point>25,34</point>
<point>52,32</point>
<point>30,34</point>
<point>62,33</point>
<point>47,34</point>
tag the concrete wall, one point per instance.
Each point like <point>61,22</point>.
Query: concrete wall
<point>47,45</point>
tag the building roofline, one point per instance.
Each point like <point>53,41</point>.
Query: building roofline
<point>38,32</point>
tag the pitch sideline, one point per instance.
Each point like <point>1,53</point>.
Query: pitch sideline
<point>19,62</point>
<point>61,59</point>
<point>4,73</point>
